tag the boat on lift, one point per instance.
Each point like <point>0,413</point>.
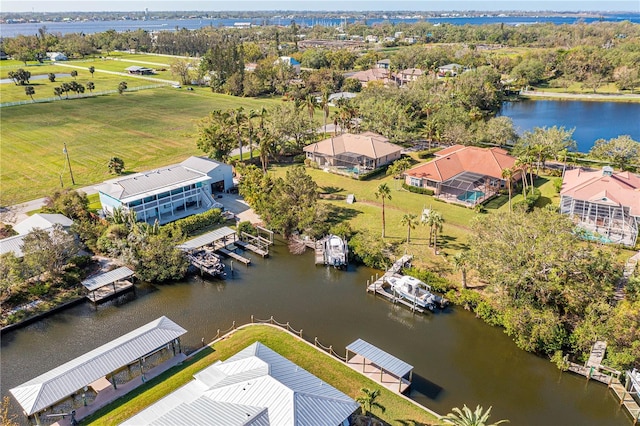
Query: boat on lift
<point>336,252</point>
<point>416,292</point>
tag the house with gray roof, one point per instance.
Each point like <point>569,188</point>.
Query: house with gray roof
<point>168,193</point>
<point>257,386</point>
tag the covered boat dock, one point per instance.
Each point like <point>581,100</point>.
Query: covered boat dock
<point>89,382</point>
<point>221,240</point>
<point>379,366</point>
<point>98,285</point>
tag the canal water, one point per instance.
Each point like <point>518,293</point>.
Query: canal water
<point>458,359</point>
<point>592,120</point>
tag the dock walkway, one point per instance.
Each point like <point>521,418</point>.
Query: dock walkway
<point>248,246</point>
<point>234,255</point>
<point>593,369</point>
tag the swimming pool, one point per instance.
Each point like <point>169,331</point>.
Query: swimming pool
<point>470,196</point>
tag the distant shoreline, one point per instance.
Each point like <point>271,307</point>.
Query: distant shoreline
<point>595,97</point>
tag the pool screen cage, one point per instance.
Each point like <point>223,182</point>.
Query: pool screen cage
<point>606,219</point>
<point>350,159</point>
<point>465,181</point>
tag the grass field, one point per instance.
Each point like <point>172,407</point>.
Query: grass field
<point>398,410</point>
<point>103,81</point>
<point>146,129</point>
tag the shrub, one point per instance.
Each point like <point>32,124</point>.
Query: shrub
<point>373,173</point>
<point>437,283</point>
<point>529,202</point>
<point>557,184</point>
<point>300,158</point>
<point>247,227</point>
<point>191,225</point>
<point>416,190</point>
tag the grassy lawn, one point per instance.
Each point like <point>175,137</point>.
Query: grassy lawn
<point>398,410</point>
<point>366,213</point>
<point>146,129</point>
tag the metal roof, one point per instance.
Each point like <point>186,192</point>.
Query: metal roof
<point>255,377</point>
<point>381,358</point>
<point>55,385</point>
<point>12,244</point>
<point>107,278</point>
<point>42,221</point>
<point>206,239</point>
<point>204,411</point>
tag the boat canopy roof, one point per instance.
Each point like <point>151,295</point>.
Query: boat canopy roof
<point>381,358</point>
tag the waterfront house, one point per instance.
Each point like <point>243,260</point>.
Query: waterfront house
<point>353,153</point>
<point>461,174</point>
<point>605,204</point>
<point>256,386</point>
<point>168,193</point>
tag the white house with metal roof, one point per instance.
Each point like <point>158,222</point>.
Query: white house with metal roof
<point>256,386</point>
<point>168,193</point>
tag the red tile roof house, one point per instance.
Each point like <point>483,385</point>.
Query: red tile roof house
<point>466,175</point>
<point>604,203</point>
<point>353,154</point>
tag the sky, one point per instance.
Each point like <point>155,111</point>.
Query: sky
<point>328,5</point>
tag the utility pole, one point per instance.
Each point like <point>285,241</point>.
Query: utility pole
<point>68,163</point>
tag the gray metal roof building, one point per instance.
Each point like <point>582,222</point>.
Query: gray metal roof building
<point>107,278</point>
<point>382,359</point>
<point>256,386</point>
<point>207,239</point>
<point>57,384</point>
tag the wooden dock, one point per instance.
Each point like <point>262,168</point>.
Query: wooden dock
<point>593,369</point>
<point>110,291</point>
<point>248,246</point>
<point>319,251</point>
<point>234,255</point>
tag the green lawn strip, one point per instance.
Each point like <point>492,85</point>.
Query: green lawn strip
<point>398,410</point>
<point>146,129</point>
<point>9,92</point>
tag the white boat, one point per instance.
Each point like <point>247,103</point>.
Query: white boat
<point>416,292</point>
<point>336,251</point>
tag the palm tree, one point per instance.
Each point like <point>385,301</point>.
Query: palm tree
<point>521,166</point>
<point>410,220</point>
<point>238,119</point>
<point>383,193</point>
<point>461,263</point>
<point>368,400</point>
<point>434,221</point>
<point>122,87</point>
<point>30,91</point>
<point>507,174</point>
<point>250,130</point>
<point>58,91</point>
<point>52,77</point>
<point>324,105</point>
<point>311,104</point>
<point>90,86</point>
<point>466,417</point>
<point>92,69</point>
<point>74,74</point>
